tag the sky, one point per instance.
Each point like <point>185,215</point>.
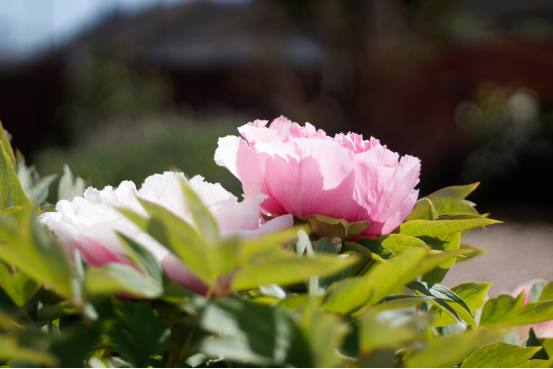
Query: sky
<point>28,27</point>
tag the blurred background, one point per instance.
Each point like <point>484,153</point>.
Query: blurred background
<point>121,89</point>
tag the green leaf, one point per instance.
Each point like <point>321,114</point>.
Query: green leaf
<point>203,219</point>
<point>439,228</point>
<point>258,334</point>
<point>17,193</point>
<point>448,200</point>
<point>233,253</point>
<point>286,270</point>
<point>457,310</point>
<point>325,226</point>
<point>7,145</point>
<point>506,311</point>
<point>398,302</point>
<point>450,350</point>
<point>324,332</point>
<point>11,210</point>
<point>472,293</point>
<point>115,278</point>
<point>142,258</point>
<point>437,275</point>
<point>181,238</point>
<point>469,252</point>
<point>351,294</point>
<point>74,345</point>
<point>423,210</point>
<point>369,248</point>
<point>375,334</point>
<point>18,286</point>
<point>70,187</point>
<point>547,293</point>
<point>499,355</point>
<point>534,342</point>
<point>35,188</point>
<point>11,350</point>
<point>31,250</point>
<point>399,243</point>
<point>148,335</point>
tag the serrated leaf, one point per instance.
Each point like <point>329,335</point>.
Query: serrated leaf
<point>506,311</point>
<point>439,228</point>
<point>499,355</point>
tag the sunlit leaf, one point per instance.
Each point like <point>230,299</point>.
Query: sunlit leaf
<point>285,270</point>
<point>438,228</point>
<point>450,350</point>
<point>506,311</point>
<point>31,250</point>
<point>473,294</point>
<point>499,355</point>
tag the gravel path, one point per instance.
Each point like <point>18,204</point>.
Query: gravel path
<point>518,252</point>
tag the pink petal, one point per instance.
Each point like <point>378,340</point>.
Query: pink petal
<point>306,177</point>
<point>355,142</point>
<point>274,225</point>
<point>282,126</point>
<point>383,185</point>
<point>235,154</point>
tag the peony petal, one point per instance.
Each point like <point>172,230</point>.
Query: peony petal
<point>282,126</point>
<point>306,177</point>
<point>355,142</point>
<point>165,190</point>
<point>274,225</point>
<point>382,184</point>
<point>396,218</point>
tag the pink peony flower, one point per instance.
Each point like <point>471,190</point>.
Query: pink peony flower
<point>305,172</point>
<point>543,329</point>
<point>89,224</point>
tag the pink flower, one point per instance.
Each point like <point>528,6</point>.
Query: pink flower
<point>543,329</point>
<point>89,224</point>
<point>305,172</point>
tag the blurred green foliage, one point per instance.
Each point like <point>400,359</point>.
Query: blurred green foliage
<point>101,91</point>
<point>134,151</point>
